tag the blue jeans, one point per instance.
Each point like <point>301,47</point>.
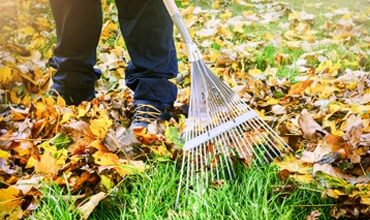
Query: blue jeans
<point>148,32</point>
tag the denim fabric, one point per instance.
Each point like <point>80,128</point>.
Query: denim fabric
<point>148,32</point>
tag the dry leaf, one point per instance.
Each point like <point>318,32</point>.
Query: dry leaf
<point>314,215</point>
<point>10,202</point>
<point>298,89</point>
<point>318,154</point>
<point>311,129</point>
<point>329,169</point>
<point>47,164</point>
<point>87,208</point>
<point>99,127</point>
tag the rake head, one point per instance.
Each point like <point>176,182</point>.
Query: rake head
<point>221,130</point>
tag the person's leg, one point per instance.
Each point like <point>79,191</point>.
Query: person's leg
<point>148,32</point>
<point>78,24</point>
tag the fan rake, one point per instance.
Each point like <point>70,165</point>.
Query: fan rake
<point>221,127</point>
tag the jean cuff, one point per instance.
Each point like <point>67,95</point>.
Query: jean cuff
<point>72,95</point>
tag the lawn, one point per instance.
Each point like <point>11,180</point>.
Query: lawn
<point>257,193</point>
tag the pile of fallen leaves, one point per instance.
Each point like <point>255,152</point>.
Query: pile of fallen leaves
<point>306,75</point>
<point>86,148</point>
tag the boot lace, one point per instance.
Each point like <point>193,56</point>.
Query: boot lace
<point>146,113</point>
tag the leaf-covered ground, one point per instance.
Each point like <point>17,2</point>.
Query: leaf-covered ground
<point>306,72</point>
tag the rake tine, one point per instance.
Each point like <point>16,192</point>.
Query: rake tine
<point>281,141</point>
<point>197,168</point>
<point>243,140</point>
<point>273,149</point>
<point>204,165</point>
<point>216,161</point>
<point>226,158</point>
<point>221,162</point>
<point>263,146</point>
<point>251,147</point>
<point>192,170</point>
<point>222,140</point>
<point>268,128</point>
<point>269,131</point>
<point>187,175</point>
<point>210,161</point>
<point>260,142</point>
<point>180,181</point>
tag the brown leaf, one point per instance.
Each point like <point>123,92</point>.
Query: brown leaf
<point>314,215</point>
<point>310,128</point>
<point>318,154</point>
<point>25,185</point>
<point>365,140</point>
<point>144,137</point>
<point>87,208</point>
<point>218,183</point>
<point>353,128</point>
<point>338,145</point>
<point>329,169</point>
<point>283,174</point>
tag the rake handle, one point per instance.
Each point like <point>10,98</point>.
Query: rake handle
<point>171,7</point>
<point>174,12</point>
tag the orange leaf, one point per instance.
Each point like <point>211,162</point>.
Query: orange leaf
<point>143,136</point>
<point>298,88</point>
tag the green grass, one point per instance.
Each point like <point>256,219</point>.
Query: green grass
<point>253,195</point>
<point>57,203</point>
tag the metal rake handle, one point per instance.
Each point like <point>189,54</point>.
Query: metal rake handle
<point>192,49</point>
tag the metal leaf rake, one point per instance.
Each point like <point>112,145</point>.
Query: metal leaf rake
<point>221,127</point>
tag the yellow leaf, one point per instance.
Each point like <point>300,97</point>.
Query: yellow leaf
<point>106,159</point>
<point>292,164</point>
<point>216,4</point>
<point>44,22</point>
<point>364,192</point>
<point>30,163</point>
<point>82,110</point>
<point>9,200</point>
<point>304,179</point>
<point>5,75</point>
<point>66,117</point>
<point>61,102</point>
<point>109,160</point>
<point>14,97</point>
<point>254,71</point>
<point>28,31</point>
<point>4,154</point>
<point>47,164</point>
<point>37,43</point>
<point>123,167</point>
<point>108,28</point>
<point>334,193</point>
<point>27,100</point>
<point>99,127</point>
<point>161,151</point>
<point>226,15</point>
